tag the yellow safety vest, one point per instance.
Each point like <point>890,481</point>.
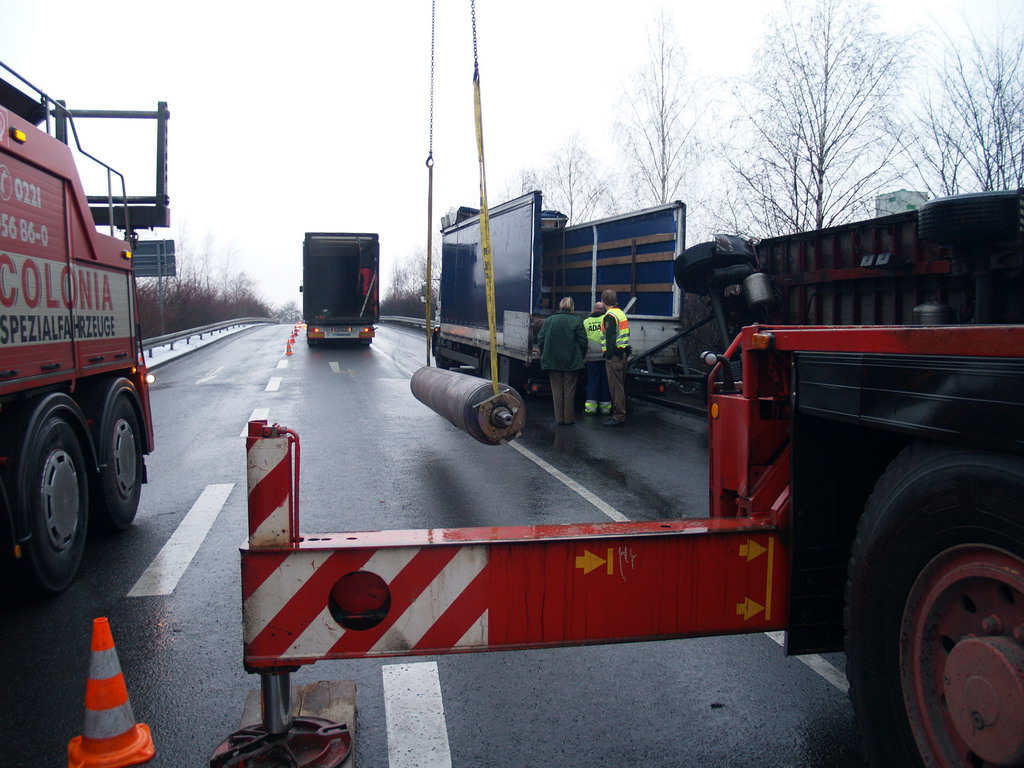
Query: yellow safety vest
<point>622,335</point>
<point>594,327</point>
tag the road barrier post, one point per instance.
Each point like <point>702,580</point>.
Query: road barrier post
<point>272,471</point>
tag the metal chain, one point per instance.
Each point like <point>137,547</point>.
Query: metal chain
<point>430,150</point>
<point>472,14</point>
<point>428,286</point>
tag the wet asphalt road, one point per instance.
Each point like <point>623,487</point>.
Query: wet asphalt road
<point>375,458</point>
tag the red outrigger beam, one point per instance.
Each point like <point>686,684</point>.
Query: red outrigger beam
<point>405,593</point>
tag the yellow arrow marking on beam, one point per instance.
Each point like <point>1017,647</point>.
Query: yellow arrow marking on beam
<point>752,550</point>
<point>748,608</point>
<point>588,561</point>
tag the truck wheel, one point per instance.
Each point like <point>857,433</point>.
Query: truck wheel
<point>980,218</point>
<point>441,360</point>
<point>54,491</point>
<point>694,265</point>
<point>121,478</point>
<point>935,611</point>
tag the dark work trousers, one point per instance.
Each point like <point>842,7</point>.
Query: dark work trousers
<point>597,382</point>
<point>563,393</point>
<point>616,368</point>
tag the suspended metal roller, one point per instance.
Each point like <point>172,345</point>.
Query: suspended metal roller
<point>470,404</point>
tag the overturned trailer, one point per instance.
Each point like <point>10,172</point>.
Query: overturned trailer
<point>952,263</point>
<point>538,260</point>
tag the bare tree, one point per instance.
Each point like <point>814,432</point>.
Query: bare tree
<point>194,296</point>
<point>288,312</point>
<point>574,183</point>
<point>658,128</point>
<point>403,296</point>
<point>971,134</point>
<point>525,180</point>
<point>818,136</point>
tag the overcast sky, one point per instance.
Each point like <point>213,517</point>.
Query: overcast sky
<point>289,117</point>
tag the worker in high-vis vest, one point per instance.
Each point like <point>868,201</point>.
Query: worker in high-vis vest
<point>598,394</point>
<point>615,346</point>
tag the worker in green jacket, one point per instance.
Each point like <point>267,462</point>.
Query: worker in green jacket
<point>563,344</point>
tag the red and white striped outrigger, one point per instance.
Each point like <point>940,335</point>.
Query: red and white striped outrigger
<point>406,593</point>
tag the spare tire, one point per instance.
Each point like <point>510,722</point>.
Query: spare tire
<point>977,220</point>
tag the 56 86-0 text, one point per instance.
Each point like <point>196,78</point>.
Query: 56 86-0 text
<point>24,230</point>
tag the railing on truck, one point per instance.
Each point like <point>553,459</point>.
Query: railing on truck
<point>121,211</point>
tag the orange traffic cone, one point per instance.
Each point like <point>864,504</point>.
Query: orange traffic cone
<point>110,738</point>
<point>288,350</point>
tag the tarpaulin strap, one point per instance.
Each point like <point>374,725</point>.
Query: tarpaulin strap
<point>485,220</point>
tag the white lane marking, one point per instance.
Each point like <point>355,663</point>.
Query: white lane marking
<point>162,575</point>
<point>818,664</point>
<point>608,509</point>
<point>258,414</point>
<point>212,374</point>
<point>417,732</point>
<point>283,363</point>
<point>335,367</point>
<point>274,384</point>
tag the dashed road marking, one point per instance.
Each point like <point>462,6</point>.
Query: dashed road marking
<point>162,575</point>
<point>258,414</point>
<point>335,367</point>
<point>283,363</point>
<point>274,384</point>
<point>416,727</point>
<point>209,375</point>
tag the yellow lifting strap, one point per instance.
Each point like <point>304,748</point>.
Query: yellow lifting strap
<point>485,221</point>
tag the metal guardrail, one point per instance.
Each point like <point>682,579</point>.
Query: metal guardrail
<point>186,336</point>
<point>418,322</point>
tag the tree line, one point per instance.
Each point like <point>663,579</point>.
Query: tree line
<point>205,290</point>
<point>832,114</point>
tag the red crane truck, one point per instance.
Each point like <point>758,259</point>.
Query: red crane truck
<point>74,404</point>
<point>866,451</point>
<point>877,418</point>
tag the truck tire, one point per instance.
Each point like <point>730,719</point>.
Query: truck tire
<point>122,473</point>
<point>935,610</point>
<point>440,359</point>
<point>54,491</point>
<point>694,265</point>
<point>980,218</point>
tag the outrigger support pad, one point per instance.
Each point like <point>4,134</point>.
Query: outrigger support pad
<point>284,741</point>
